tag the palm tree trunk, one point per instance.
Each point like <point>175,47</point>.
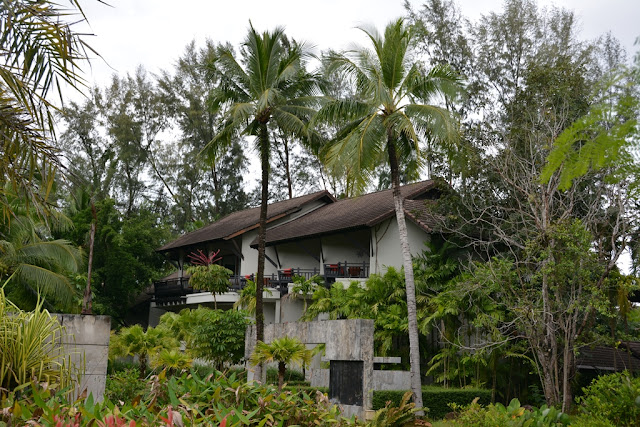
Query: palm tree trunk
<point>281,371</point>
<point>262,236</point>
<point>414,345</point>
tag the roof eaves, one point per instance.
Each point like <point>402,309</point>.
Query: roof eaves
<point>254,243</point>
<point>417,222</point>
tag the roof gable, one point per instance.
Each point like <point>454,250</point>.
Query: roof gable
<point>355,213</point>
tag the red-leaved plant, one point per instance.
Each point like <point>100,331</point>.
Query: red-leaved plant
<point>200,258</point>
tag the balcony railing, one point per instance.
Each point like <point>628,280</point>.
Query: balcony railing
<point>348,270</point>
<point>288,274</point>
<point>173,291</point>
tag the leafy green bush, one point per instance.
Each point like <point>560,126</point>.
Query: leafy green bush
<point>614,397</point>
<point>436,399</point>
<point>124,386</point>
<point>514,415</point>
<point>219,337</point>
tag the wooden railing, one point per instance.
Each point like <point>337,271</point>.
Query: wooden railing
<point>288,274</point>
<point>351,270</point>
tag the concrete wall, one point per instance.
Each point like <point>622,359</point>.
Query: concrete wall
<point>350,339</point>
<point>387,251</point>
<point>86,340</point>
<point>382,380</point>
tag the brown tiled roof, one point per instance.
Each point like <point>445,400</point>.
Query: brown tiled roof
<point>239,222</point>
<point>421,212</point>
<point>608,358</point>
<point>349,214</point>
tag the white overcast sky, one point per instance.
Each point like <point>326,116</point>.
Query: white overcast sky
<point>154,32</point>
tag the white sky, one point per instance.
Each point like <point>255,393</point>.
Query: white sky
<point>154,32</point>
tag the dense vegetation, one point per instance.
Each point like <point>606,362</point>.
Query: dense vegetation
<point>530,131</point>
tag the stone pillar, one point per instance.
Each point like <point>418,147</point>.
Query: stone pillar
<point>86,340</point>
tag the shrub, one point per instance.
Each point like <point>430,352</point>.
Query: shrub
<point>124,386</point>
<point>219,337</point>
<point>189,398</point>
<point>436,399</point>
<point>614,397</point>
<point>30,347</point>
<point>289,375</point>
<point>514,415</point>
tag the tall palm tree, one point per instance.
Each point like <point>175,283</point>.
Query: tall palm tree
<point>389,114</point>
<point>39,53</point>
<point>268,86</point>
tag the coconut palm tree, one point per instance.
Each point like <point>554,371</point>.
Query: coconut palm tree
<point>284,351</point>
<point>386,120</point>
<point>32,262</point>
<point>39,53</point>
<point>267,86</point>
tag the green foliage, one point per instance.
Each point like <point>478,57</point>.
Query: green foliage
<point>401,415</point>
<point>382,298</point>
<point>30,348</point>
<point>604,138</point>
<point>291,376</point>
<point>614,398</point>
<point>124,385</point>
<point>219,336</point>
<point>513,415</point>
<point>213,278</point>
<point>189,399</point>
<point>436,399</point>
<point>390,110</point>
<point>122,243</point>
<point>283,351</point>
<point>39,54</point>
<point>135,341</point>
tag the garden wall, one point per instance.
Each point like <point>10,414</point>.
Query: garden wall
<point>86,340</point>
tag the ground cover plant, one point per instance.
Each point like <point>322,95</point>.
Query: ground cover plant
<point>187,399</point>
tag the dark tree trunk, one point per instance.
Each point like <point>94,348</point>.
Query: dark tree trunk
<point>281,371</point>
<point>414,345</point>
<point>87,306</point>
<point>262,234</point>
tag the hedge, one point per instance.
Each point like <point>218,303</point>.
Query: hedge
<point>437,399</point>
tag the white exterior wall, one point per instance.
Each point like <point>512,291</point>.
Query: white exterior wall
<point>350,247</point>
<point>249,265</point>
<point>386,244</point>
<point>294,255</point>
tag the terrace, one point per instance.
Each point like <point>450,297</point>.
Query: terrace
<point>172,289</point>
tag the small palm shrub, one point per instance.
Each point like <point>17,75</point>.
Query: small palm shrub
<point>283,351</point>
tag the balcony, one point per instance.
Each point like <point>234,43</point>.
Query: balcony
<point>172,289</point>
<point>346,270</point>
